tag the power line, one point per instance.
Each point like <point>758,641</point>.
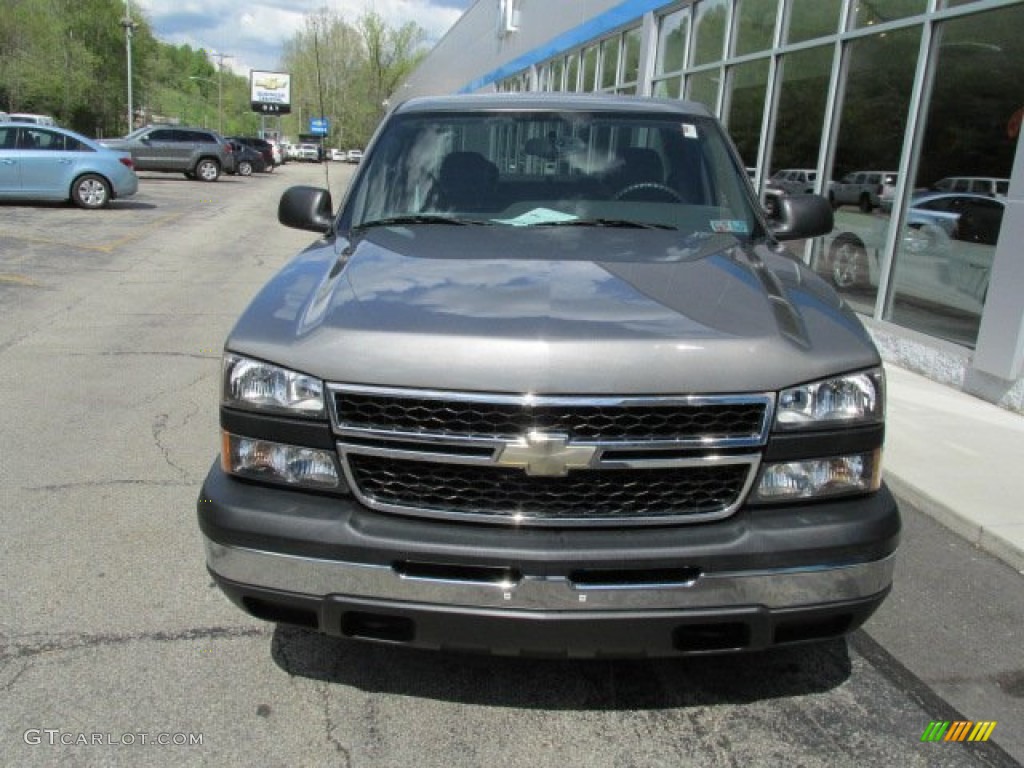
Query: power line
<point>220,87</point>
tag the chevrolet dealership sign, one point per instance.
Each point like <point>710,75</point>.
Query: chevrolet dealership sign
<point>270,92</point>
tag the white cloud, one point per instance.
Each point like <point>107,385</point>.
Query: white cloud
<point>254,36</point>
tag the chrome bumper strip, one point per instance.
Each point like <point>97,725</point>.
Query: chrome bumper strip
<point>772,588</point>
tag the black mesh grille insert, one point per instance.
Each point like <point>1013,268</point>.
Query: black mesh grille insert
<point>503,492</point>
<point>582,422</point>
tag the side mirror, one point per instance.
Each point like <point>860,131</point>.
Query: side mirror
<point>797,217</point>
<point>307,208</point>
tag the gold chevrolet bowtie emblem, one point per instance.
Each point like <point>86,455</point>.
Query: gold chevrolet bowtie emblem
<point>546,454</point>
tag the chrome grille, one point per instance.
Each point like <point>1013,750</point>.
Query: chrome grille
<point>508,494</point>
<point>594,421</point>
<point>549,460</point>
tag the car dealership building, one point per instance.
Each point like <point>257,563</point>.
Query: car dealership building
<point>906,112</point>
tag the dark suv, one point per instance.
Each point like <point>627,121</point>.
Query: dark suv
<point>264,147</point>
<point>549,384</point>
<point>197,152</point>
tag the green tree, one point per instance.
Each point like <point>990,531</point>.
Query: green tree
<point>347,72</point>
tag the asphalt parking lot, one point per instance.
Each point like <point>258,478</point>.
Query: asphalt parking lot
<point>116,649</point>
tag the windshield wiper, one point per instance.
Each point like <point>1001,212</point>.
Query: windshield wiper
<point>620,223</point>
<point>419,218</point>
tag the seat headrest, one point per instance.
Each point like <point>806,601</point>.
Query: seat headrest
<point>466,180</point>
<point>461,167</point>
<point>640,164</point>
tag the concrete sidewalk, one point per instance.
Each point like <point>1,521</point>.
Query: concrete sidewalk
<point>959,459</point>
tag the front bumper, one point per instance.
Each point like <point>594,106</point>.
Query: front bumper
<point>760,578</point>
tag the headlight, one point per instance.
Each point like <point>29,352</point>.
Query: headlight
<point>277,462</point>
<point>253,384</point>
<point>854,399</point>
<point>818,478</point>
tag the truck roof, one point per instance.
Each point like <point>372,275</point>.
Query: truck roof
<point>589,102</point>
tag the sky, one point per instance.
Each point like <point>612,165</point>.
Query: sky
<point>253,32</point>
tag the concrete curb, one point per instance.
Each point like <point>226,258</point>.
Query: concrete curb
<point>963,526</point>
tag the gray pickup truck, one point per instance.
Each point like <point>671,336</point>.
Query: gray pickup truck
<point>549,384</point>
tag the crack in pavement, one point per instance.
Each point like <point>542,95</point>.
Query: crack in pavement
<point>14,648</point>
<point>108,484</point>
<point>10,683</point>
<point>154,396</point>
<point>330,726</point>
<point>130,353</point>
<point>41,324</point>
<point>159,426</point>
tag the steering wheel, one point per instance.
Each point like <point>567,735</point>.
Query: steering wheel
<point>653,186</point>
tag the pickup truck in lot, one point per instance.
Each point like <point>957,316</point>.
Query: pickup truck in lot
<point>550,384</point>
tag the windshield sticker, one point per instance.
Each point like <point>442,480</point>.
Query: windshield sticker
<point>689,130</point>
<point>537,216</point>
<point>736,226</point>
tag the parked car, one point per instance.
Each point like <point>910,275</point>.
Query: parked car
<point>597,411</point>
<point>271,156</point>
<point>354,156</point>
<point>48,163</point>
<point>945,250</point>
<point>793,180</point>
<point>310,152</point>
<point>335,154</point>
<point>197,152</point>
<point>26,117</point>
<point>279,158</point>
<point>865,189</point>
<point>247,159</point>
<point>978,185</point>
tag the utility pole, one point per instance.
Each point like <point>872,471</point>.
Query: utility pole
<point>220,87</point>
<point>129,25</point>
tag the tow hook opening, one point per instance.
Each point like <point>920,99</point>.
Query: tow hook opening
<point>723,636</point>
<point>378,626</point>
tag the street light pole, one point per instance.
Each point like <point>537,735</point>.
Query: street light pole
<point>205,80</point>
<point>220,88</point>
<point>129,25</point>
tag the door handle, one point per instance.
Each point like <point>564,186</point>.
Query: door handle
<point>64,161</point>
<point>8,162</point>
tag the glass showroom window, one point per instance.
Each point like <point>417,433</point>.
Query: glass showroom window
<point>944,256</point>
<point>801,113</point>
<point>544,77</point>
<point>630,73</point>
<point>871,127</point>
<point>557,68</point>
<point>809,19</point>
<point>572,72</point>
<point>747,86</point>
<point>702,87</point>
<point>609,63</point>
<point>880,11</point>
<point>709,27</point>
<point>589,69</point>
<point>755,26</point>
<point>673,35</point>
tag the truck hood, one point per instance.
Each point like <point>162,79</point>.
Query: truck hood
<point>559,310</point>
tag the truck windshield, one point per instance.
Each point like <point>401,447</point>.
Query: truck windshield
<point>550,168</point>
